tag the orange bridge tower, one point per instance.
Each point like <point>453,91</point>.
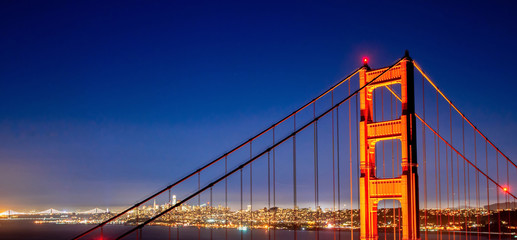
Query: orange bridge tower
<point>403,188</point>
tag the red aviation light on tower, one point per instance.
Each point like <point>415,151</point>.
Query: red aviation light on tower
<point>365,60</point>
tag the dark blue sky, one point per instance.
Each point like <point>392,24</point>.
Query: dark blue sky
<point>103,102</point>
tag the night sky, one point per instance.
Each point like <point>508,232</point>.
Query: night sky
<point>102,103</point>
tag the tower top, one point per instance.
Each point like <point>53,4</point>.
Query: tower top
<point>406,55</point>
<point>365,63</point>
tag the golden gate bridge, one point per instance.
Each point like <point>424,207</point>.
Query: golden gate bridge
<point>353,149</point>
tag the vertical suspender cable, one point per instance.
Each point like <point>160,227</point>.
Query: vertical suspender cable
<point>274,186</point>
<point>199,205</point>
<point>316,192</point>
<point>497,193</point>
<point>137,221</point>
<point>424,161</point>
<point>468,187</point>
<point>137,234</point>
<point>436,180</point>
<point>487,192</point>
<point>338,173</point>
<point>438,169</point>
<point>211,215</point>
<point>226,198</point>
<point>351,173</point>
<point>251,192</point>
<point>447,209</point>
<point>452,174</point>
<point>268,195</point>
<point>241,212</point>
<point>477,188</point>
<point>333,169</point>
<point>507,195</point>
<point>466,217</point>
<point>458,188</point>
<point>170,225</point>
<point>447,184</point>
<point>294,180</point>
<point>177,231</point>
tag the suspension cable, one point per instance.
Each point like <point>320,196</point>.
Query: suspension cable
<point>462,115</point>
<point>462,155</point>
<point>464,158</point>
<point>347,78</point>
<point>259,155</point>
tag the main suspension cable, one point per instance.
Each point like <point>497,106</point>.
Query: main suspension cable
<point>461,114</point>
<point>259,155</point>
<point>347,78</point>
<point>462,155</point>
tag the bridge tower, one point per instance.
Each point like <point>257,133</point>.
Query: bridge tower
<point>403,188</point>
